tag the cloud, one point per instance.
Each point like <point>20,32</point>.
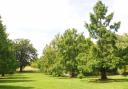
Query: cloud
<point>121,14</point>
<point>41,20</point>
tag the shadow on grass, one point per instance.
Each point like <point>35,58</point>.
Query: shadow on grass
<point>108,80</point>
<point>14,77</point>
<point>14,81</point>
<point>14,87</point>
<point>17,77</point>
<point>28,72</point>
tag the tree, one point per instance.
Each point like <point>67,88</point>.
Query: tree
<point>7,55</point>
<point>25,52</point>
<point>60,57</point>
<point>50,63</point>
<point>70,46</point>
<point>123,51</point>
<point>85,57</point>
<point>100,29</point>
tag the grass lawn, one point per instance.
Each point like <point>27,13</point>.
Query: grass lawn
<point>41,81</point>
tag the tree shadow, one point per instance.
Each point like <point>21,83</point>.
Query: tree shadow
<point>14,87</point>
<point>14,81</point>
<point>11,76</point>
<point>17,77</point>
<point>28,71</point>
<point>108,80</point>
<point>14,77</point>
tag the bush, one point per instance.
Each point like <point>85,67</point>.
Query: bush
<point>80,76</point>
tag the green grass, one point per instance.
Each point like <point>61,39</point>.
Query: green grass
<point>41,81</point>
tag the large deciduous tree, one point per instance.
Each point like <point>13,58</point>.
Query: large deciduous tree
<point>60,57</point>
<point>25,52</point>
<point>101,29</point>
<point>70,46</point>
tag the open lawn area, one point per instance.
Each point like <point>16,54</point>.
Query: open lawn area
<point>41,81</point>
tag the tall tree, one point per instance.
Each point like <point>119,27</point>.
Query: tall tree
<point>7,55</point>
<point>70,46</point>
<point>25,52</point>
<point>100,29</point>
<point>61,55</point>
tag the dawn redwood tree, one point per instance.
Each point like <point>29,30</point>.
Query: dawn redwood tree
<point>101,29</point>
<point>7,54</point>
<point>25,52</point>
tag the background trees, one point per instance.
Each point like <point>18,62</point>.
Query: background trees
<point>100,29</point>
<point>25,52</point>
<point>50,60</point>
<point>123,52</point>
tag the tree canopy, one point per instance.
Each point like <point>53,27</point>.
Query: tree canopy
<point>25,52</point>
<point>101,29</point>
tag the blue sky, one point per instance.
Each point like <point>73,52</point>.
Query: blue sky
<point>41,20</point>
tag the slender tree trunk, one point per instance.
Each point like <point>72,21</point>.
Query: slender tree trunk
<point>2,74</point>
<point>72,74</point>
<point>103,74</point>
<point>21,69</point>
<point>124,70</point>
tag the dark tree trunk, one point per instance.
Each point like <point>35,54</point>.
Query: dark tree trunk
<point>72,74</point>
<point>103,74</point>
<point>2,74</point>
<point>21,69</point>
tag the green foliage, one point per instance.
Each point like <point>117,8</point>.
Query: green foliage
<point>50,63</point>
<point>62,55</point>
<point>103,31</point>
<point>25,52</point>
<point>7,54</point>
<point>50,58</point>
<point>122,52</point>
<point>85,58</point>
<point>36,63</point>
<point>70,46</point>
<point>80,75</point>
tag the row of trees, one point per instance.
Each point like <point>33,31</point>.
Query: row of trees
<point>14,54</point>
<point>71,53</point>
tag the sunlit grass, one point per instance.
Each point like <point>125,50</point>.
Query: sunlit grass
<point>41,81</point>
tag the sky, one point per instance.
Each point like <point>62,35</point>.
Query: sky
<point>40,20</point>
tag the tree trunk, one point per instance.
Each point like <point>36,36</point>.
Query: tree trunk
<point>21,69</point>
<point>72,74</point>
<point>103,74</point>
<point>124,70</point>
<point>2,74</point>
